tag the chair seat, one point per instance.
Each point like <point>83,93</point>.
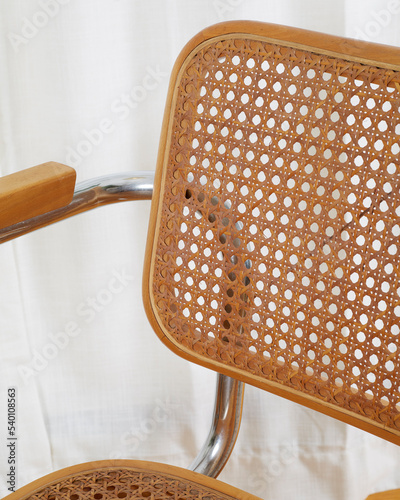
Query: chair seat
<point>127,479</point>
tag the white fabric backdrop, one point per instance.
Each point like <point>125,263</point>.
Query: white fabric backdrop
<point>92,380</point>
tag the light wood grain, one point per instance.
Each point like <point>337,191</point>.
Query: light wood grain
<point>85,474</point>
<point>35,191</point>
<point>370,53</point>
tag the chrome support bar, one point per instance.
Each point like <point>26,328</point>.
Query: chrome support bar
<point>225,427</point>
<point>115,188</point>
<point>87,195</point>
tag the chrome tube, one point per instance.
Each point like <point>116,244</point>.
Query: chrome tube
<point>88,195</point>
<point>229,395</point>
<point>224,430</point>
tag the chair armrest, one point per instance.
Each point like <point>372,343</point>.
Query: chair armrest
<point>89,194</point>
<point>35,191</point>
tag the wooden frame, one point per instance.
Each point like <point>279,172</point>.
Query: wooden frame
<point>35,191</point>
<point>147,475</point>
<point>346,49</point>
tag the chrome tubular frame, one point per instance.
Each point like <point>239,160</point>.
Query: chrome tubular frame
<point>115,188</point>
<point>88,195</point>
<point>225,427</point>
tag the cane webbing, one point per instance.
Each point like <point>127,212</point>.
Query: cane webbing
<point>276,251</point>
<point>128,483</point>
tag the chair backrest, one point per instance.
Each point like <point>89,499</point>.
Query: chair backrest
<point>273,250</point>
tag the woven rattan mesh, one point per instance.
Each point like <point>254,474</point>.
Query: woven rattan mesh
<point>112,484</point>
<point>277,250</point>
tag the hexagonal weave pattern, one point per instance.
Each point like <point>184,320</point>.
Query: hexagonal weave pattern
<point>124,483</point>
<point>277,252</point>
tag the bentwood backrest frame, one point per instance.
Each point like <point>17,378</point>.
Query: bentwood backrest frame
<point>272,249</point>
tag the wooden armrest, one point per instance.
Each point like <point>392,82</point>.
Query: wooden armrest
<point>35,191</point>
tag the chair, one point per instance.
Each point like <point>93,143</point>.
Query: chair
<point>272,253</point>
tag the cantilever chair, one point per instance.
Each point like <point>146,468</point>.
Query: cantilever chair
<point>273,246</point>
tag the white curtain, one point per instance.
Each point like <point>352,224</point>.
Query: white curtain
<point>83,82</point>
